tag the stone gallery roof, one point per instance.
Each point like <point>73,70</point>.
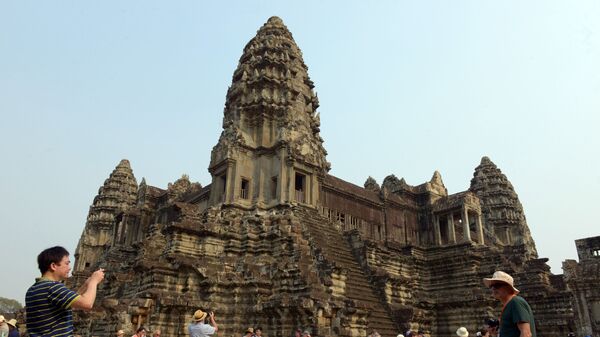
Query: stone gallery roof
<point>342,185</point>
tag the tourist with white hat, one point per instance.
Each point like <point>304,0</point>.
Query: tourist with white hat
<point>462,332</point>
<point>199,328</point>
<point>516,319</point>
<point>3,327</point>
<point>13,331</point>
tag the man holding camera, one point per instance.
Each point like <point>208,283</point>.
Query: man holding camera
<point>199,328</point>
<point>516,319</point>
<point>48,302</point>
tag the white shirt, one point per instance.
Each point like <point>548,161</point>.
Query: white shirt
<point>200,330</point>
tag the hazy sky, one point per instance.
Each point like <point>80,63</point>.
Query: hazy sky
<point>405,88</point>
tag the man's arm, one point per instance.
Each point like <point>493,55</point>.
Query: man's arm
<point>83,287</point>
<point>524,328</point>
<point>212,321</point>
<point>86,299</point>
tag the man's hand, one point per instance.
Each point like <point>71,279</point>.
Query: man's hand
<point>212,321</point>
<point>97,276</point>
<point>88,291</point>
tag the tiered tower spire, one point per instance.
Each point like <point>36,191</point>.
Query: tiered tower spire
<point>270,145</point>
<point>502,210</point>
<point>118,193</point>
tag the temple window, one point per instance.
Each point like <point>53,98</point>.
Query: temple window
<point>245,188</point>
<point>274,187</point>
<point>300,187</point>
<point>223,181</point>
<point>87,264</point>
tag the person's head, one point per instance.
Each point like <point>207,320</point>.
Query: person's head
<point>258,331</point>
<point>462,332</point>
<point>120,333</point>
<point>420,333</point>
<point>249,332</point>
<point>141,331</point>
<point>306,334</point>
<point>12,324</point>
<point>200,315</point>
<point>502,285</point>
<point>55,260</point>
<point>400,335</point>
<point>2,319</point>
<point>156,333</point>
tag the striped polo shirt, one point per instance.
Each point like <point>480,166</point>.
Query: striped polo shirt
<point>48,309</point>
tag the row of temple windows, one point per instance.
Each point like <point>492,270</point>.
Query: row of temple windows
<point>299,187</point>
<point>349,222</point>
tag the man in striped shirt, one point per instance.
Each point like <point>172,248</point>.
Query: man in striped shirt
<point>48,302</point>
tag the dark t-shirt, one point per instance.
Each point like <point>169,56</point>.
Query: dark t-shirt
<point>516,310</point>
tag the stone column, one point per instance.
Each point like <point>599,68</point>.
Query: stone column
<point>436,228</point>
<point>283,177</point>
<point>479,229</point>
<point>465,221</point>
<point>451,231</point>
<point>229,183</point>
<point>258,186</point>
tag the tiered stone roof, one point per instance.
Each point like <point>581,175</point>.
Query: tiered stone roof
<point>271,85</point>
<point>116,195</point>
<point>502,208</point>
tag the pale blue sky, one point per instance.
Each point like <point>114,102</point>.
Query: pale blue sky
<point>405,88</point>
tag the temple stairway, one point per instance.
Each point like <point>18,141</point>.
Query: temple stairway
<point>336,250</point>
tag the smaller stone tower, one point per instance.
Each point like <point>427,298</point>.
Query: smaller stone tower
<point>118,193</point>
<point>270,151</point>
<point>503,214</point>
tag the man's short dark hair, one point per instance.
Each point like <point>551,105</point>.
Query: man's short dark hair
<point>140,329</point>
<point>49,256</point>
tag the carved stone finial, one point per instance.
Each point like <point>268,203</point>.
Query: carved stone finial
<point>371,184</point>
<point>436,179</point>
<point>393,184</point>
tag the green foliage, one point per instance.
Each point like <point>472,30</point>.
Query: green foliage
<point>8,305</point>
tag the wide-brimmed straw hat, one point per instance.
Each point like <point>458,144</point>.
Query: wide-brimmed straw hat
<point>500,276</point>
<point>120,332</point>
<point>250,330</point>
<point>12,322</point>
<point>462,332</point>
<point>400,335</point>
<point>199,315</point>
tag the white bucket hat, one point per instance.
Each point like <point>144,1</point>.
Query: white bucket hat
<point>500,276</point>
<point>462,332</point>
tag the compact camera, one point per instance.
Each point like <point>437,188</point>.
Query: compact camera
<point>492,322</point>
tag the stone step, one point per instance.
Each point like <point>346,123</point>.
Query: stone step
<point>336,250</point>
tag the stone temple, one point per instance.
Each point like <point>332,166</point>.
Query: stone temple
<point>275,241</point>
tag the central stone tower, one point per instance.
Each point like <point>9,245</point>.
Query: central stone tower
<point>270,151</point>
